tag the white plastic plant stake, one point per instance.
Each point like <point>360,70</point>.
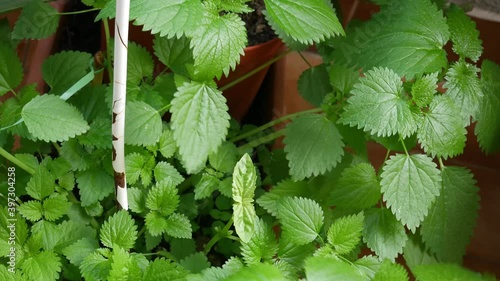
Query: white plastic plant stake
<point>119,99</point>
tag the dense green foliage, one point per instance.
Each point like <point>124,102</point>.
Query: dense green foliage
<point>199,197</point>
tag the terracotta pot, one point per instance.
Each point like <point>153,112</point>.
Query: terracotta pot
<point>285,98</point>
<point>34,52</point>
<point>239,97</point>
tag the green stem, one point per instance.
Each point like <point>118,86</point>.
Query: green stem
<point>16,161</point>
<point>78,12</point>
<point>141,231</point>
<point>57,146</point>
<point>168,255</point>
<point>220,234</point>
<point>109,65</point>
<point>441,165</point>
<point>249,74</point>
<point>304,59</point>
<point>321,241</point>
<point>404,146</point>
<point>262,140</point>
<point>386,156</point>
<point>167,107</point>
<point>273,123</point>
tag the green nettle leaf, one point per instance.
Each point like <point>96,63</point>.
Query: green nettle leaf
<point>313,146</point>
<point>368,265</point>
<point>143,124</point>
<point>200,122</point>
<point>181,248</point>
<point>99,134</point>
<point>152,241</point>
<point>301,219</point>
<point>314,84</point>
<point>407,37</point>
<point>234,6</point>
<point>487,127</point>
<point>379,106</point>
<point>47,233</point>
<point>169,18</point>
<point>442,133</point>
<point>41,184</point>
<point>290,43</point>
<point>391,272</point>
<point>9,276</point>
<point>410,184</point>
<point>415,252</point>
<point>244,184</point>
<point>95,3</point>
<point>178,226</point>
<point>444,272</point>
<point>49,111</point>
<point>217,45</point>
<point>330,268</point>
<point>55,207</point>
<point>342,78</point>
<point>136,200</point>
<point>156,223</point>
<point>38,20</point>
<point>175,53</point>
<point>464,88</point>
<point>164,171</point>
<point>451,220</point>
<point>464,35</point>
<point>229,268</point>
<point>134,165</point>
<point>120,266</point>
<point>72,231</point>
<point>75,154</point>
<point>94,185</point>
<point>95,267</point>
<point>383,233</point>
<point>225,158</point>
<point>306,21</point>
<point>195,263</point>
<point>423,90</point>
<point>357,189</point>
<point>77,251</point>
<point>11,72</point>
<point>206,186</point>
<point>262,245</point>
<point>345,233</point>
<point>269,200</point>
<point>166,144</point>
<point>119,230</point>
<point>91,101</point>
<point>73,64</point>
<point>257,272</point>
<point>44,266</point>
<point>163,269</point>
<point>31,210</point>
<point>139,64</point>
<point>147,171</point>
<point>163,198</point>
<point>226,186</point>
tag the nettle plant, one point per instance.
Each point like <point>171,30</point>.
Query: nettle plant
<point>207,199</point>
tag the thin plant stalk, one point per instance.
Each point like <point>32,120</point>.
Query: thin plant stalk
<point>119,100</point>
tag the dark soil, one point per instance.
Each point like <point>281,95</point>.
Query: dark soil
<point>80,32</point>
<point>258,30</point>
